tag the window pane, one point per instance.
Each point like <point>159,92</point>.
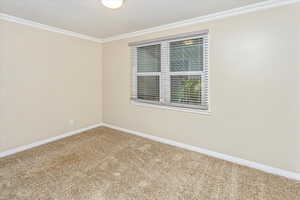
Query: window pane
<point>148,88</point>
<point>186,55</point>
<point>186,89</point>
<point>148,58</point>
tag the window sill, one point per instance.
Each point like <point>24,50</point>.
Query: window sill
<point>189,110</point>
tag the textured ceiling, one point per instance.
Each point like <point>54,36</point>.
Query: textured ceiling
<point>91,18</point>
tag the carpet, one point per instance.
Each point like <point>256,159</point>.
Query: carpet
<point>105,164</point>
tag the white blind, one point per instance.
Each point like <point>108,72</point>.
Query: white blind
<point>172,72</point>
<point>148,58</point>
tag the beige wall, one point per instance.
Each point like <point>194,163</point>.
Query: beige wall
<point>254,89</point>
<point>46,79</point>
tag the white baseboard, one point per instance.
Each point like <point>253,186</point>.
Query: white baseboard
<point>39,143</point>
<point>265,168</point>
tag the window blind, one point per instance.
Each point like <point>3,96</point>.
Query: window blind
<point>149,58</point>
<point>172,72</point>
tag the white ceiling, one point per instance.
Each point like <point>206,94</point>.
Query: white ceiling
<point>91,18</point>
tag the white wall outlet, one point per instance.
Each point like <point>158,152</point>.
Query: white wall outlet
<point>71,122</point>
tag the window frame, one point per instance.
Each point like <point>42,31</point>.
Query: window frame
<point>165,77</point>
<point>136,73</point>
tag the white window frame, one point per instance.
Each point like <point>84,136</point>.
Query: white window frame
<point>136,74</point>
<point>165,78</point>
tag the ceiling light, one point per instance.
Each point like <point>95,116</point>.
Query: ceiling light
<point>112,3</point>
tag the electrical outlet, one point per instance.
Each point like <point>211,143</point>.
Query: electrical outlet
<point>71,122</point>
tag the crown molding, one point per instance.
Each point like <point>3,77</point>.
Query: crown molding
<point>18,20</point>
<point>219,15</point>
<point>215,16</point>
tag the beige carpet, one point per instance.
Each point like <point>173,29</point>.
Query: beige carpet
<point>103,164</point>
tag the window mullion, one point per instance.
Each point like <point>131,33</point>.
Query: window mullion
<point>165,72</point>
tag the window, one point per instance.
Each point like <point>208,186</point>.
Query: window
<point>172,72</point>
